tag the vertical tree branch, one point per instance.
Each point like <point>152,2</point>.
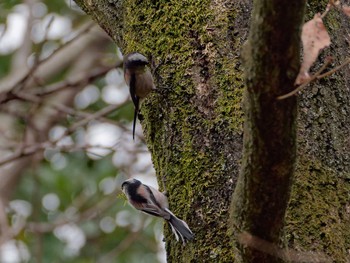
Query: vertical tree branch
<point>271,62</point>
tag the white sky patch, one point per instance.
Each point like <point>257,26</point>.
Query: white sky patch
<point>115,91</point>
<point>65,141</point>
<point>50,202</point>
<point>143,161</point>
<point>102,134</point>
<point>107,185</point>
<point>58,161</point>
<point>14,252</point>
<point>39,10</point>
<point>87,96</point>
<point>72,5</point>
<point>127,218</point>
<point>138,131</point>
<point>147,179</point>
<point>13,37</point>
<point>73,236</point>
<point>56,132</point>
<point>48,48</point>
<point>122,158</point>
<point>21,207</point>
<point>107,224</point>
<point>59,27</point>
<point>115,77</point>
<point>112,94</point>
<point>158,231</point>
<point>123,218</point>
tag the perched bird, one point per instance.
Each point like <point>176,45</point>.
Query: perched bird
<point>139,78</point>
<point>151,201</point>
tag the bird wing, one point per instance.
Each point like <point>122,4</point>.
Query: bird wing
<point>152,210</point>
<point>154,204</point>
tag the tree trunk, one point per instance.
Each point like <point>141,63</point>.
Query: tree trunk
<point>271,66</point>
<point>193,124</point>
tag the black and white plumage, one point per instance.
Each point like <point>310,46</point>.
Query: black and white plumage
<point>139,78</point>
<point>151,201</point>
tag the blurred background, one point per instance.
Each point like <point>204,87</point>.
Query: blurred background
<point>66,142</point>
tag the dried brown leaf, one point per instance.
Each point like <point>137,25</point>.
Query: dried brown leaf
<point>346,9</point>
<point>314,38</point>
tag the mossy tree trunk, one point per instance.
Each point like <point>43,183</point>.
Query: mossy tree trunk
<point>194,124</point>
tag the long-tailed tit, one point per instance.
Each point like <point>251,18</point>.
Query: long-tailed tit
<point>139,79</point>
<point>153,202</point>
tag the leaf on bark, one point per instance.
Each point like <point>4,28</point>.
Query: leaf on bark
<point>314,37</point>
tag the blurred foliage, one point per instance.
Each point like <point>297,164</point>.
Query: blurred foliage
<point>5,62</point>
<point>79,182</point>
<point>8,4</point>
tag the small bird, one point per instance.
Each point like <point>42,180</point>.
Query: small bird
<point>139,78</point>
<point>151,201</point>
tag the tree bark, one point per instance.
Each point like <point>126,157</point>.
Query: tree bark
<point>271,66</point>
<point>193,124</point>
<point>318,212</point>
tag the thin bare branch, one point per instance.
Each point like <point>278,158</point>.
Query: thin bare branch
<point>103,112</point>
<point>346,62</point>
<point>48,90</point>
<point>131,238</point>
<point>287,254</point>
<point>89,214</point>
<point>302,86</point>
<point>19,85</point>
<point>26,150</point>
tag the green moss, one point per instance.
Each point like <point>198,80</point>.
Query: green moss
<point>318,218</point>
<point>195,81</point>
<point>189,132</point>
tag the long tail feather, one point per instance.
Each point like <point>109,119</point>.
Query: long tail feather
<point>134,124</point>
<point>135,116</point>
<point>180,228</point>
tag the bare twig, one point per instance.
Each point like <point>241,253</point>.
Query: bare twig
<point>4,225</point>
<point>302,86</point>
<point>20,153</point>
<point>19,85</point>
<point>346,62</point>
<point>82,114</point>
<point>286,254</point>
<point>8,232</point>
<point>131,238</point>
<point>89,214</point>
<point>329,6</point>
<point>41,45</point>
<point>103,112</point>
<point>27,150</point>
<point>48,90</point>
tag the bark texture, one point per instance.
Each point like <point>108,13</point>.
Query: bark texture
<point>271,65</point>
<point>193,124</point>
<point>318,215</point>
